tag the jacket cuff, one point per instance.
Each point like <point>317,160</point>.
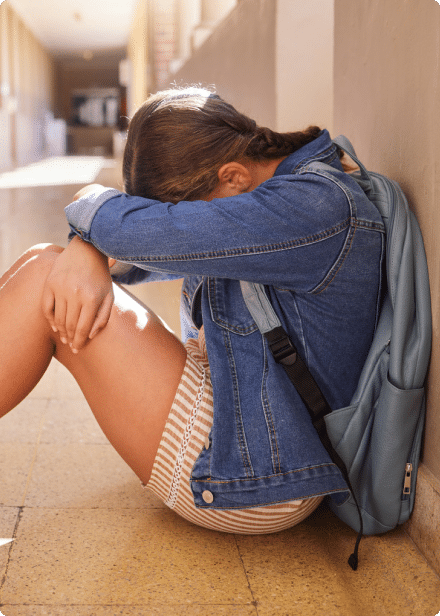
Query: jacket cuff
<point>81,212</point>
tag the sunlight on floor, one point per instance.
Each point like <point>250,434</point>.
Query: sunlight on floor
<point>56,171</point>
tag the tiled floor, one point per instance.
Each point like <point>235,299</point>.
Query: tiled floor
<point>90,542</point>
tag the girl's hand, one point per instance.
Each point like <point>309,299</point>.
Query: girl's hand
<point>78,294</point>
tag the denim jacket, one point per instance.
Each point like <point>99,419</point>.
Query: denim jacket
<point>316,242</point>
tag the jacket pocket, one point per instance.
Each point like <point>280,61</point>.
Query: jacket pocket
<point>228,309</point>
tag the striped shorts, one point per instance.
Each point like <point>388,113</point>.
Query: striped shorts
<point>186,433</point>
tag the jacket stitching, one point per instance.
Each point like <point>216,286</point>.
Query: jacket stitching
<point>273,502</point>
<point>249,250</point>
<point>236,329</point>
<point>274,475</point>
<point>299,331</point>
<point>380,287</point>
<point>339,263</point>
<point>321,156</point>
<point>238,419</point>
<point>275,453</point>
<point>348,240</point>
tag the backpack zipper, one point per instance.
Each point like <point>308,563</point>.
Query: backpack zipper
<point>407,480</point>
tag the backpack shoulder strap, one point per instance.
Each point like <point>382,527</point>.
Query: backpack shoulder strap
<point>283,350</point>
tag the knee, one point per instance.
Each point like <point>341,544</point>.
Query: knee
<point>40,260</point>
<point>33,265</point>
<point>40,249</point>
<point>42,257</point>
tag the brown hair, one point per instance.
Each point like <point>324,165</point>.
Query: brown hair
<point>178,140</point>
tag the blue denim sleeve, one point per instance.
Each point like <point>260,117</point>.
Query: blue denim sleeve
<point>288,231</point>
<point>131,274</point>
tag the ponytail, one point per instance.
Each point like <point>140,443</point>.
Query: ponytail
<point>268,144</point>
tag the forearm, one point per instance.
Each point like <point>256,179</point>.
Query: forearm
<point>85,255</point>
<point>263,236</point>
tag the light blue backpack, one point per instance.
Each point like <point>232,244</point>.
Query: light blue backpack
<point>378,437</point>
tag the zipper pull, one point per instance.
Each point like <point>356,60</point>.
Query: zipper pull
<point>407,481</point>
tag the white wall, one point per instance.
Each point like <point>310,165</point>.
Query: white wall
<point>304,64</point>
<point>27,88</point>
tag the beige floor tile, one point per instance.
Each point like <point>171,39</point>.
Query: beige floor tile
<point>57,382</point>
<point>85,476</point>
<point>34,215</point>
<point>305,571</point>
<point>8,520</point>
<point>150,610</point>
<point>23,424</point>
<point>70,421</point>
<point>65,387</point>
<point>45,388</point>
<point>122,557</point>
<point>424,526</point>
<point>16,461</point>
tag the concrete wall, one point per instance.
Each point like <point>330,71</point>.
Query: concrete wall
<point>387,101</point>
<point>261,56</point>
<point>137,52</point>
<point>27,91</point>
<point>304,64</point>
<point>239,58</point>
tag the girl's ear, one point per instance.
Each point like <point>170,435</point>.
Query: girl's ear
<point>234,178</point>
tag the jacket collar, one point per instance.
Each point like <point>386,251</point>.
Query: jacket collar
<point>321,148</point>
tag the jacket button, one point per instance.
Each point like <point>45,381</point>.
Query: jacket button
<point>207,496</point>
<point>207,442</point>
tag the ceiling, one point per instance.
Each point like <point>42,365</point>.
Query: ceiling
<point>69,28</point>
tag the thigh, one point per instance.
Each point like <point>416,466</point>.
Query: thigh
<point>129,374</point>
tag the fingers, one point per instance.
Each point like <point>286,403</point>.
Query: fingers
<point>91,321</point>
<point>83,328</point>
<point>103,315</point>
<point>87,189</point>
<point>48,306</point>
<point>70,320</point>
<point>76,322</point>
<point>55,313</point>
<point>78,294</point>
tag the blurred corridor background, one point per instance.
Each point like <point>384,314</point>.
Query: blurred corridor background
<point>72,72</point>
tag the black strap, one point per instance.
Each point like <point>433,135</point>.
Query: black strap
<point>285,353</point>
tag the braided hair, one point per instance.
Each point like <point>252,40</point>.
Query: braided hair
<point>178,140</point>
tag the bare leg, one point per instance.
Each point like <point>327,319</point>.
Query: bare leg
<point>31,252</point>
<point>129,372</point>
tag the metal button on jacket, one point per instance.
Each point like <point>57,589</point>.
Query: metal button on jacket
<point>208,497</point>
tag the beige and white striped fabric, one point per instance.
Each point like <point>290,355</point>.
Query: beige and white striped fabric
<point>186,433</point>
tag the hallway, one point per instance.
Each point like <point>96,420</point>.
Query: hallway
<point>88,541</point>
